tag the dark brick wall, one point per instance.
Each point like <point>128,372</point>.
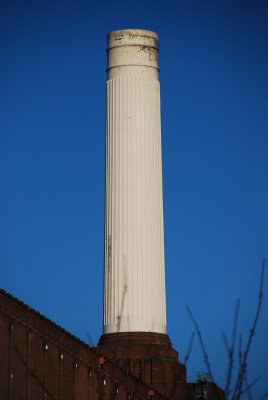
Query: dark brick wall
<point>41,361</point>
<point>4,356</point>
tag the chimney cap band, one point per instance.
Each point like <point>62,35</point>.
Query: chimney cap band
<point>132,37</point>
<point>132,47</point>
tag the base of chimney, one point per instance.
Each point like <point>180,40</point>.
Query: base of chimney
<point>147,355</point>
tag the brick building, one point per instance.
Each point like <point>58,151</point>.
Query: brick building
<point>42,361</point>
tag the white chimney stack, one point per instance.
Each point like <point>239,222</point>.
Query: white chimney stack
<point>134,277</point>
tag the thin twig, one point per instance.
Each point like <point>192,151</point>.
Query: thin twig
<point>119,317</point>
<point>90,340</point>
<point>187,356</point>
<point>243,367</point>
<point>240,350</point>
<point>249,386</point>
<point>202,344</point>
<point>264,396</point>
<point>247,389</point>
<point>230,350</point>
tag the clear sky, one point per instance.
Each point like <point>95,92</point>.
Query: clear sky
<point>214,95</point>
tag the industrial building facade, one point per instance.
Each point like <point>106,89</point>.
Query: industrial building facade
<point>40,360</point>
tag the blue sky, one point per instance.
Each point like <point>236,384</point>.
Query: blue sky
<point>214,95</point>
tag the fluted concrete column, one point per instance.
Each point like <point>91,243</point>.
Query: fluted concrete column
<point>134,278</point>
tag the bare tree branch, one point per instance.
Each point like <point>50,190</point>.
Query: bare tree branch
<point>231,349</point>
<point>90,340</point>
<point>187,356</point>
<point>243,367</point>
<point>248,386</point>
<point>202,344</point>
<point>240,350</point>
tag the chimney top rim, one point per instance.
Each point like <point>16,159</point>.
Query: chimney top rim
<point>134,32</point>
<point>132,37</point>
